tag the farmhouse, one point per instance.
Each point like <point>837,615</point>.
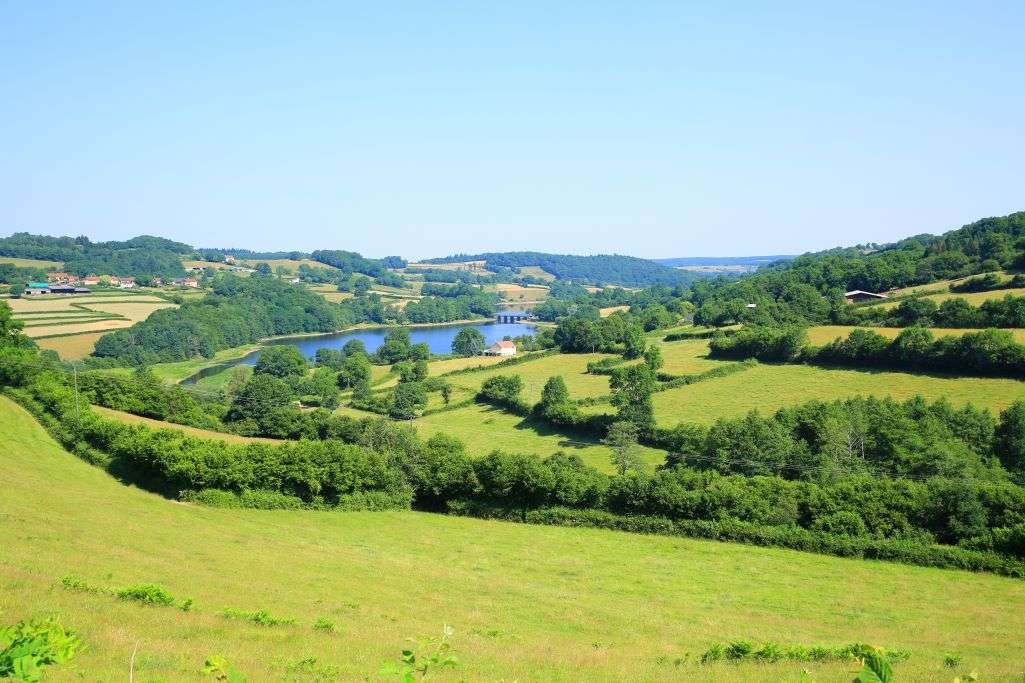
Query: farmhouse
<point>68,289</point>
<point>501,348</point>
<point>91,280</point>
<point>185,282</point>
<point>122,282</point>
<point>857,295</point>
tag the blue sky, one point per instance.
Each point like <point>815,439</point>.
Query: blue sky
<point>650,128</point>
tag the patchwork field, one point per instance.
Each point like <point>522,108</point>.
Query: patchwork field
<point>770,387</point>
<point>524,603</point>
<point>331,293</point>
<point>474,266</point>
<point>71,347</point>
<point>520,294</point>
<point>83,316</point>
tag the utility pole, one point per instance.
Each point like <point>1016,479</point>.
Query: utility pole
<point>78,416</point>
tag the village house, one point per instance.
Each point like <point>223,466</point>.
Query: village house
<point>122,282</point>
<point>61,278</point>
<point>91,280</point>
<point>228,258</point>
<point>501,348</point>
<point>857,295</point>
<point>185,282</point>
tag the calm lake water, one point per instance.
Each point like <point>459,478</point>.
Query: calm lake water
<point>438,339</point>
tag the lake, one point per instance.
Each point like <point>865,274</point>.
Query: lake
<point>438,340</point>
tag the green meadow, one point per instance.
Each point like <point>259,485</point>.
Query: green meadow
<point>525,603</point>
<point>769,387</point>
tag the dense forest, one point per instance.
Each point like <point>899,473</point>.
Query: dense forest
<point>600,270</point>
<point>237,311</point>
<point>143,257</point>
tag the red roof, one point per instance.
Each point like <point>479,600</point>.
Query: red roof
<point>505,344</point>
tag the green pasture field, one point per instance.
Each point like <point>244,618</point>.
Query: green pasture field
<point>525,603</point>
<point>535,373</point>
<point>485,428</point>
<point>823,334</point>
<point>30,262</point>
<point>973,298</point>
<point>769,387</point>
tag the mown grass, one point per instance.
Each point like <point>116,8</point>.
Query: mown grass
<point>71,347</point>
<point>526,603</point>
<point>770,387</point>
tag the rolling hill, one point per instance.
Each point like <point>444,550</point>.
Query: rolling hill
<point>602,269</point>
<point>592,605</point>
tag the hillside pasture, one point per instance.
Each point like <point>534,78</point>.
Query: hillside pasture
<point>71,346</point>
<point>472,266</point>
<point>536,271</point>
<point>191,431</point>
<point>688,357</point>
<point>485,428</point>
<point>767,388</point>
<point>516,294</point>
<point>525,603</point>
<point>31,263</point>
<point>331,293</point>
<point>823,334</point>
<point>536,372</point>
<point>290,265</point>
<point>973,298</point>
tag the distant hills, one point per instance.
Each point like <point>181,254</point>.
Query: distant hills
<point>722,260</point>
<point>722,265</point>
<point>602,269</point>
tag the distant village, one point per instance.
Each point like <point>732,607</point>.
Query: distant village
<point>65,283</point>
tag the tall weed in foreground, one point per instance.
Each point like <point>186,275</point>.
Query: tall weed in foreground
<point>434,654</point>
<point>221,670</point>
<point>28,646</point>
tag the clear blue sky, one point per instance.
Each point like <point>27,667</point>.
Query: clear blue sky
<point>426,128</point>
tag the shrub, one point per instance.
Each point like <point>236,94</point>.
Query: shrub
<point>261,617</point>
<point>147,593</point>
<point>28,646</point>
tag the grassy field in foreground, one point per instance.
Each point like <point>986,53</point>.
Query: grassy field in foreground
<point>770,387</point>
<point>526,603</point>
